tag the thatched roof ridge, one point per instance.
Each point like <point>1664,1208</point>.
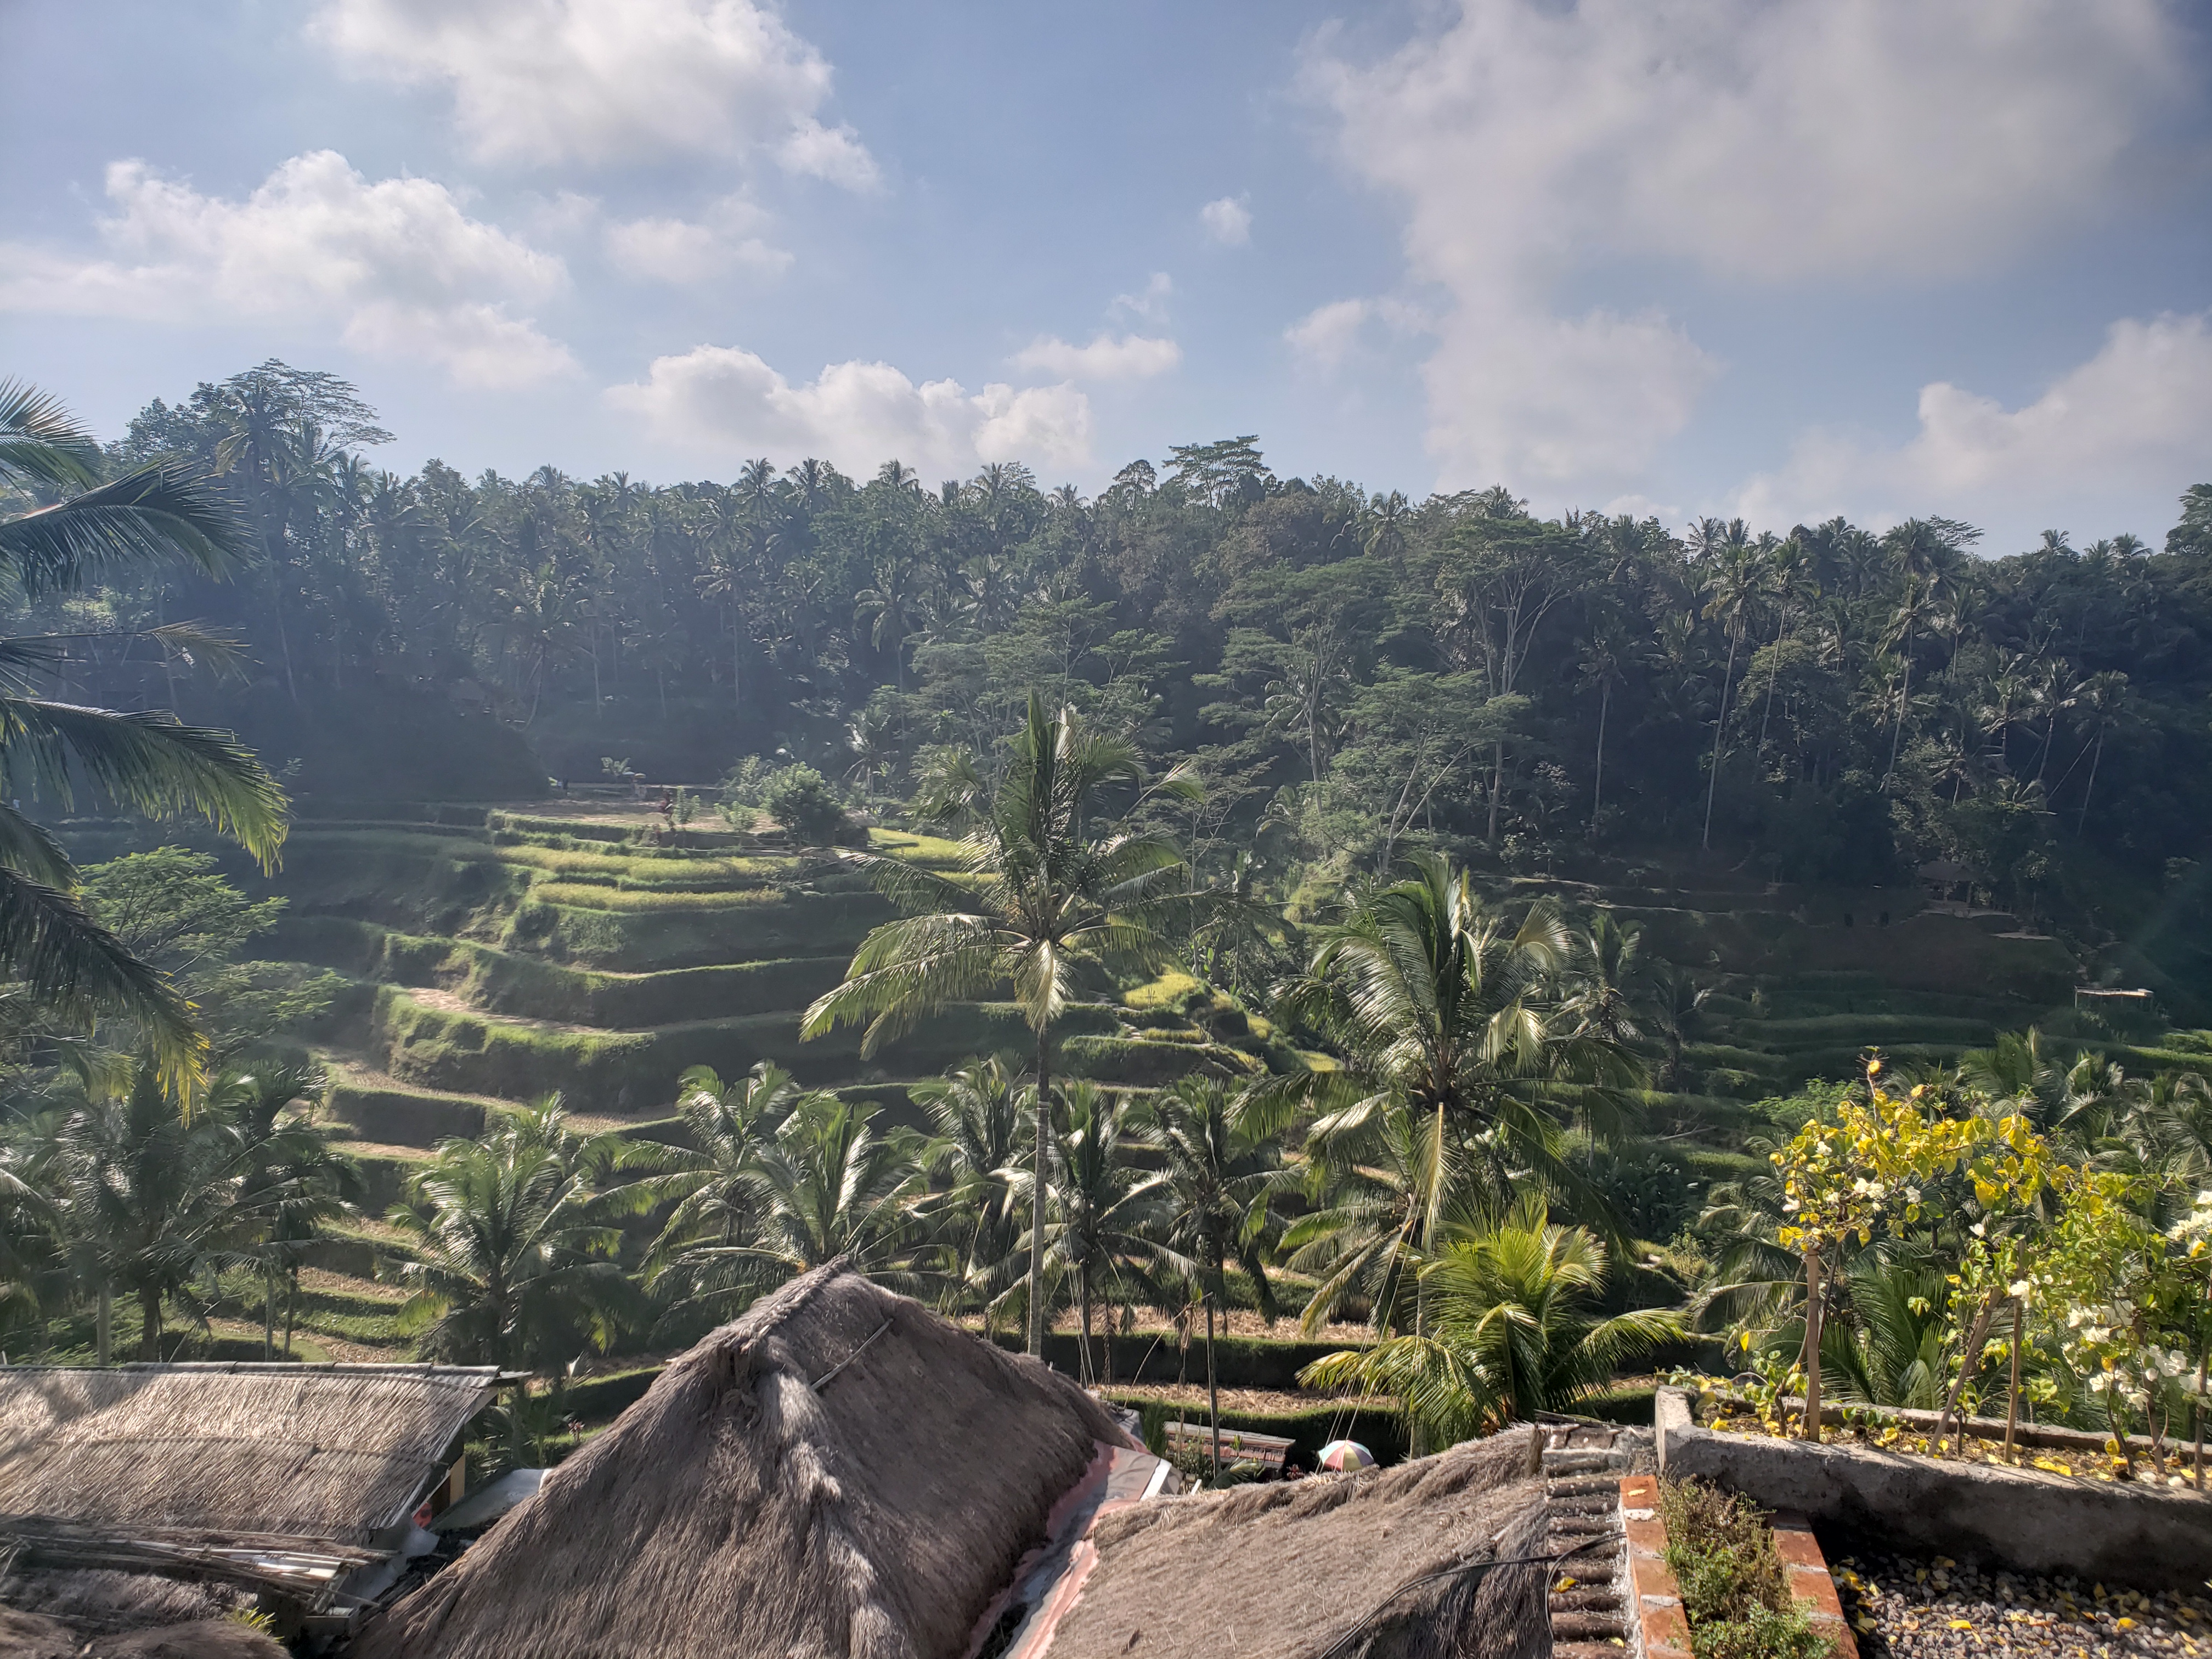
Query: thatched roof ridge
<point>838,1473</point>
<point>1288,1570</point>
<point>331,1453</point>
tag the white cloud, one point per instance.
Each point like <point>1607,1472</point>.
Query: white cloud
<point>681,252</point>
<point>1130,357</point>
<point>1761,141</point>
<point>599,81</point>
<point>1227,221</point>
<point>395,264</point>
<point>1325,335</point>
<point>1150,305</point>
<point>2135,420</point>
<point>729,403</point>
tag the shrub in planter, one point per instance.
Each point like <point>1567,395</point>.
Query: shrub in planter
<point>1735,1591</point>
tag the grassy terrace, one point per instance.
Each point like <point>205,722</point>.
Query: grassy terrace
<point>491,956</point>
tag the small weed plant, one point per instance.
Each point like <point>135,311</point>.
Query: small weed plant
<point>1735,1591</point>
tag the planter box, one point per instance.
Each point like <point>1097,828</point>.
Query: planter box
<point>1661,1628</point>
<point>2021,1519</point>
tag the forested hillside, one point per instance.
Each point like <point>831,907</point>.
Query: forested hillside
<point>1350,674</point>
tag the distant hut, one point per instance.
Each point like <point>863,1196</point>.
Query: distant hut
<point>1383,1563</point>
<point>294,1484</point>
<point>1947,881</point>
<point>840,1472</point>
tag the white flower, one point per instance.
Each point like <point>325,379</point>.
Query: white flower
<point>2019,1287</point>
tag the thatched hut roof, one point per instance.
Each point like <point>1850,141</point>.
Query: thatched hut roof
<point>1375,1561</point>
<point>114,1615</point>
<point>332,1454</point>
<point>838,1473</point>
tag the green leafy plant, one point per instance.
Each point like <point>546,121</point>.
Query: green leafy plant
<point>1735,1591</point>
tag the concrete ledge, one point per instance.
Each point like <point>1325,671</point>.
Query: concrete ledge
<point>2022,1519</point>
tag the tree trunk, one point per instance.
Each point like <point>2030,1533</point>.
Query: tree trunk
<point>2082,826</point>
<point>2012,1393</point>
<point>1496,786</point>
<point>1969,1363</point>
<point>268,1315</point>
<point>1719,728</point>
<point>1597,775</point>
<point>291,1306</point>
<point>1813,1311</point>
<point>149,1324</point>
<point>1897,731</point>
<point>1036,1193</point>
<point>1089,1372</point>
<point>103,1326</point>
<point>1212,1390</point>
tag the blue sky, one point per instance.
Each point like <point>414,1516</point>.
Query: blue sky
<point>1784,258</point>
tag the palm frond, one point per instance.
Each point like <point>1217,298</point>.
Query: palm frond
<point>148,515</point>
<point>149,761</point>
<point>40,440</point>
<point>48,940</point>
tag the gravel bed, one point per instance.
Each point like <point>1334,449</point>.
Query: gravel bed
<point>1902,1607</point>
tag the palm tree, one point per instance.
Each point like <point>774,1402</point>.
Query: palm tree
<point>1438,1002</point>
<point>145,1195</point>
<point>977,1110</point>
<point>1218,1163</point>
<point>719,1187</point>
<point>1379,1188</point>
<point>1516,1331</point>
<point>513,1253</point>
<point>289,1182</point>
<point>1738,579</point>
<point>838,1187</point>
<point>1104,1207</point>
<point>145,761</point>
<point>1045,895</point>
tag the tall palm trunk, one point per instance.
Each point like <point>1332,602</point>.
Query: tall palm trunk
<point>1213,1388</point>
<point>1496,786</point>
<point>1720,726</point>
<point>103,1325</point>
<point>269,1279</point>
<point>2082,826</point>
<point>1897,731</point>
<point>149,1324</point>
<point>1036,1193</point>
<point>1597,772</point>
<point>1083,1296</point>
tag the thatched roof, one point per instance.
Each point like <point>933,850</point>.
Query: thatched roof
<point>55,1615</point>
<point>326,1453</point>
<point>839,1472</point>
<point>1375,1560</point>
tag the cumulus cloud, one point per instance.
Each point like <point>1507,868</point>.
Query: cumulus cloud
<point>1330,336</point>
<point>728,402</point>
<point>599,81</point>
<point>682,251</point>
<point>2135,419</point>
<point>1130,357</point>
<point>1227,221</point>
<point>1760,141</point>
<point>397,265</point>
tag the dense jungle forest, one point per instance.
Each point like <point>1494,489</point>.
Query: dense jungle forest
<point>1226,901</point>
<point>1349,674</point>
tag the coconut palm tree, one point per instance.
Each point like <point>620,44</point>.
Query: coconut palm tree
<point>513,1254</point>
<point>1378,1191</point>
<point>144,1195</point>
<point>977,1110</point>
<point>1047,894</point>
<point>1103,1208</point>
<point>1439,1002</point>
<point>1217,1165</point>
<point>706,1253</point>
<point>146,761</point>
<point>290,1181</point>
<point>838,1186</point>
<point>1515,1330</point>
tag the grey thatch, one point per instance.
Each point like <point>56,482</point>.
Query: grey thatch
<point>321,1453</point>
<point>111,1615</point>
<point>840,1473</point>
<point>1369,1565</point>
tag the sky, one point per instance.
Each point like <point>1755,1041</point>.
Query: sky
<point>1778,259</point>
